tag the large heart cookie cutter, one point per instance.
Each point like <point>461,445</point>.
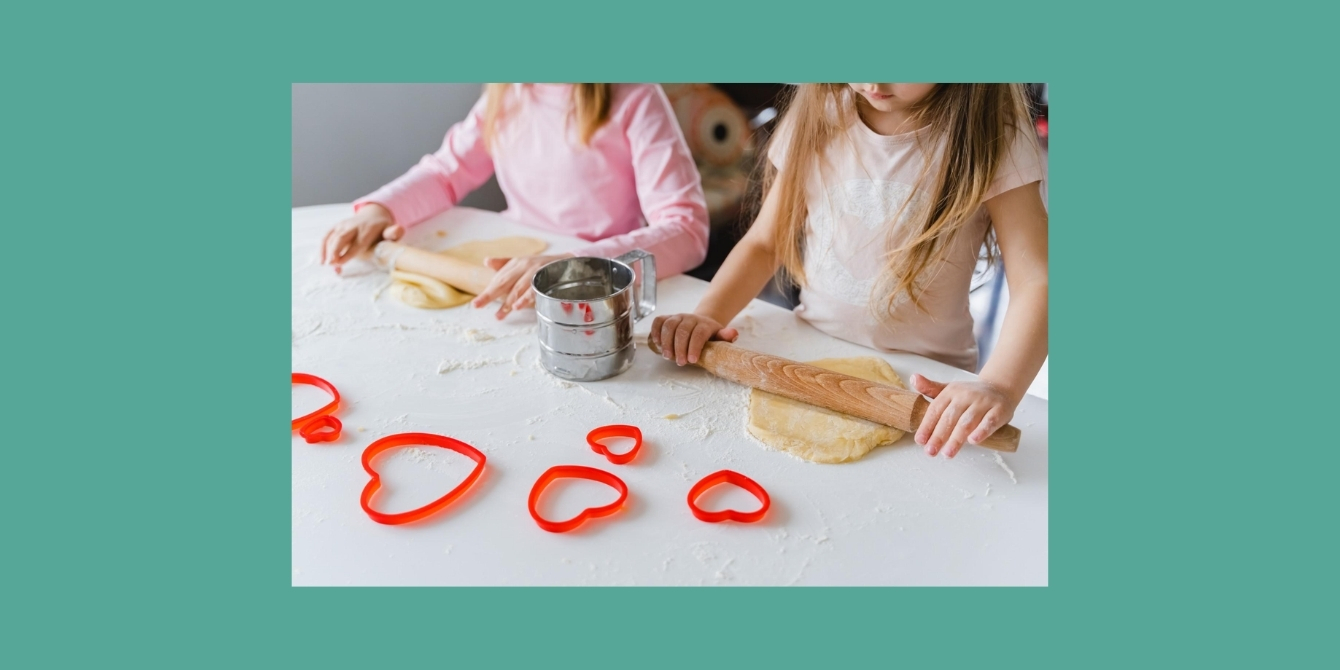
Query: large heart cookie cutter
<point>408,439</point>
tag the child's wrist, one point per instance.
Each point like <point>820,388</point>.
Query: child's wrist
<point>375,209</point>
<point>1012,390</point>
<point>708,314</point>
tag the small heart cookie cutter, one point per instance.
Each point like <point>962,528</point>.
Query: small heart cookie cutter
<point>405,440</point>
<point>722,477</point>
<point>618,430</point>
<point>575,472</point>
<point>321,425</point>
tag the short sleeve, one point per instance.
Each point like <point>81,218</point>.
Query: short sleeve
<point>1021,165</point>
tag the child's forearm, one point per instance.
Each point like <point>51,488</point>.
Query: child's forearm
<point>746,271</point>
<point>1022,346</point>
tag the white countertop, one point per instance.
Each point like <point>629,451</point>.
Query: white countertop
<point>896,517</point>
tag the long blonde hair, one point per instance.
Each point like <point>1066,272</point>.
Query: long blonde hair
<point>590,108</point>
<point>971,125</point>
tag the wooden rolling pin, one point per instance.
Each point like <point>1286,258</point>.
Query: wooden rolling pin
<point>460,274</point>
<point>883,404</point>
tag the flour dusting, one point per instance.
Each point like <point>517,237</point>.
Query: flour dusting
<point>1001,462</point>
<point>469,364</point>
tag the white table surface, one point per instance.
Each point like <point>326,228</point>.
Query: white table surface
<point>895,517</point>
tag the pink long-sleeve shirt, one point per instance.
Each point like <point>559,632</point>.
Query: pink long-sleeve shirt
<point>637,170</point>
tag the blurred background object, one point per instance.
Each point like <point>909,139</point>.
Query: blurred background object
<point>732,190</point>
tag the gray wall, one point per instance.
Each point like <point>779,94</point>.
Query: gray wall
<point>348,139</point>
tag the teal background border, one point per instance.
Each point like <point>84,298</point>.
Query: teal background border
<point>146,177</point>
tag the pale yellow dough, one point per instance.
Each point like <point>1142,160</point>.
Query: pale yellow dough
<point>423,292</point>
<point>821,435</point>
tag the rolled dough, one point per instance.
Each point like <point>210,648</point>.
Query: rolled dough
<point>423,292</point>
<point>817,434</point>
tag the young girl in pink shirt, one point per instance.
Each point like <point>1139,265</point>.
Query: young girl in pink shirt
<point>879,199</point>
<point>590,160</point>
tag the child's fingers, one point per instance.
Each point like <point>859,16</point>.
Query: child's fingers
<point>393,232</point>
<point>501,285</point>
<point>728,334</point>
<point>507,291</point>
<point>944,427</point>
<point>325,241</point>
<point>655,333</point>
<point>339,247</point>
<point>331,245</point>
<point>367,236</point>
<point>668,328</point>
<point>966,422</point>
<point>357,238</point>
<point>520,289</point>
<point>987,427</point>
<point>682,335</point>
<point>496,263</point>
<point>701,334</point>
<point>923,436</point>
<point>491,291</point>
<point>927,387</point>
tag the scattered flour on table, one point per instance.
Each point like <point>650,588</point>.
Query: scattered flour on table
<point>704,552</point>
<point>469,364</point>
<point>380,289</point>
<point>303,329</point>
<point>1001,462</point>
<point>672,417</point>
<point>672,384</point>
<point>800,573</point>
<point>721,573</point>
<point>421,457</point>
<point>305,326</point>
<point>477,335</point>
<point>516,358</point>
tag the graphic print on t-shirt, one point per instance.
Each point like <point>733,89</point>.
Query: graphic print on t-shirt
<point>847,237</point>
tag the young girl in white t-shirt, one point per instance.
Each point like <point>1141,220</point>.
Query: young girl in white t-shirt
<point>878,201</point>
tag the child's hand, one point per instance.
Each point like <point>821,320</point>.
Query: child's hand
<point>357,234</point>
<point>961,411</point>
<point>687,333</point>
<point>512,283</point>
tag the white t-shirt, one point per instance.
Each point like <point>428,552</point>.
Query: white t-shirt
<point>852,200</point>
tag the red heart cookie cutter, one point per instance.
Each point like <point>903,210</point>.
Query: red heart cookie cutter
<point>575,472</point>
<point>321,425</point>
<point>721,477</point>
<point>618,430</point>
<point>408,439</point>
